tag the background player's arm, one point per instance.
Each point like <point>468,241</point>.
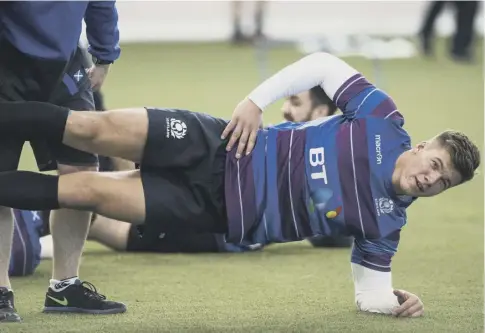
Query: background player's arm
<point>101,19</point>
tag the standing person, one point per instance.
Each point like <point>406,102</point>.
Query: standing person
<point>239,35</point>
<point>40,61</point>
<point>462,42</point>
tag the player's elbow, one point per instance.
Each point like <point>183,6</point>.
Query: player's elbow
<point>322,58</point>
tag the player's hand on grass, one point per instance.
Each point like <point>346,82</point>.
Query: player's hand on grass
<point>243,127</point>
<point>410,305</point>
<point>97,74</point>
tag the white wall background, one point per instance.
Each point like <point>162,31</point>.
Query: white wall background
<point>212,20</point>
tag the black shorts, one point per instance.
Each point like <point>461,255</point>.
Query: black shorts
<point>172,242</point>
<point>58,82</point>
<point>182,171</point>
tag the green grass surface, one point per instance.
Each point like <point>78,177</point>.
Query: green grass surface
<point>293,287</point>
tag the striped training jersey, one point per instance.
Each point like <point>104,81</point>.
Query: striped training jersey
<point>330,176</point>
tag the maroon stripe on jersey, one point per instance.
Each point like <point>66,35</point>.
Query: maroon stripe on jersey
<point>240,195</point>
<point>349,89</point>
<point>353,164</point>
<point>295,221</point>
<point>387,108</point>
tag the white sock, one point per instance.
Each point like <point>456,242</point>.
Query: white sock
<point>46,247</point>
<point>57,285</point>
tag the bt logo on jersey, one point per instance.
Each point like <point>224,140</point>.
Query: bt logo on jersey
<point>317,160</point>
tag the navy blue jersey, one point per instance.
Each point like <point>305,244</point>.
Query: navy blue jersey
<point>51,29</point>
<point>325,177</point>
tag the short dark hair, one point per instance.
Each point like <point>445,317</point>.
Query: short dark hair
<point>464,154</point>
<point>319,97</point>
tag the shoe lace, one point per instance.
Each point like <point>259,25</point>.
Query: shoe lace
<point>91,292</point>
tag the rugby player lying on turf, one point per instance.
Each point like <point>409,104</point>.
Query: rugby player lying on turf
<point>356,171</point>
<point>123,236</point>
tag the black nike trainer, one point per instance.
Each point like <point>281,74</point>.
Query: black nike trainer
<point>79,297</point>
<point>7,308</point>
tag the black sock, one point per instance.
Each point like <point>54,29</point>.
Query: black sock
<point>29,190</point>
<point>33,120</point>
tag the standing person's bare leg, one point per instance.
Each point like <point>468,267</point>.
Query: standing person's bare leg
<point>237,33</point>
<point>90,191</point>
<point>68,238</point>
<point>259,14</point>
<point>6,234</point>
<point>10,151</point>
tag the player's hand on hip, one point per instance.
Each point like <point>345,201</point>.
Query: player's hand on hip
<point>97,74</point>
<point>410,305</point>
<point>243,127</point>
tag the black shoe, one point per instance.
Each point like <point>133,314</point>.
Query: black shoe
<point>240,39</point>
<point>80,297</point>
<point>462,57</point>
<point>7,309</point>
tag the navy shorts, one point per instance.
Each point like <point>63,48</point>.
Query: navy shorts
<point>182,172</point>
<point>183,243</point>
<point>173,242</point>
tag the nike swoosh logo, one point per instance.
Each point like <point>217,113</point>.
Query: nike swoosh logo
<point>61,302</point>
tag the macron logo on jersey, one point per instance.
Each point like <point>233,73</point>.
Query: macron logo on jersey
<point>377,138</point>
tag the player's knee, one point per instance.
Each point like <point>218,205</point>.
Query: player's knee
<point>102,126</point>
<point>85,126</point>
<point>89,191</point>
